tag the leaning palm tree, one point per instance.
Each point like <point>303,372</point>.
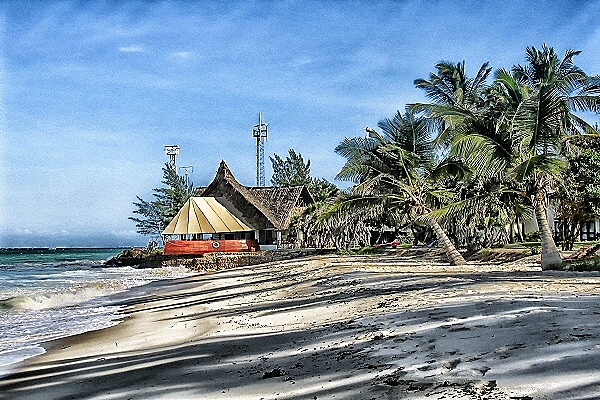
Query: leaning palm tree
<point>396,170</point>
<point>543,121</point>
<point>460,103</point>
<point>532,109</point>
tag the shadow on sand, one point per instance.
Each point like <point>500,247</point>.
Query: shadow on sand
<point>398,335</point>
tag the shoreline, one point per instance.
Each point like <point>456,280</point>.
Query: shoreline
<point>106,310</point>
<point>337,327</point>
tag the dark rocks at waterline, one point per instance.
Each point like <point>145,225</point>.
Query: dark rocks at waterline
<point>136,257</point>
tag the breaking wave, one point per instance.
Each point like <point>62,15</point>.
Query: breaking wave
<point>51,299</point>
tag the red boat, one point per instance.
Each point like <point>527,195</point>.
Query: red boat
<point>181,247</point>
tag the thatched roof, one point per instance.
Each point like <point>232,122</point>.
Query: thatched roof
<point>282,201</point>
<point>276,204</point>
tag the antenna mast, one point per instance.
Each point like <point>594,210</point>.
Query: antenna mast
<point>187,181</point>
<point>260,132</point>
<point>172,151</point>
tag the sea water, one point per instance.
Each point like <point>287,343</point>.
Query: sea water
<point>47,294</point>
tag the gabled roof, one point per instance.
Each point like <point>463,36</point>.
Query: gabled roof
<point>282,200</point>
<point>204,215</point>
<point>277,204</point>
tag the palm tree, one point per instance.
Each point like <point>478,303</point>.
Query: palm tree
<point>396,170</point>
<point>460,103</point>
<point>454,96</point>
<point>544,120</point>
<point>528,116</point>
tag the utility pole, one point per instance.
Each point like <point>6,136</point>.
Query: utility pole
<point>260,132</point>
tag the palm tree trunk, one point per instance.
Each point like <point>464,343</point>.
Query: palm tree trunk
<point>453,255</point>
<point>550,254</point>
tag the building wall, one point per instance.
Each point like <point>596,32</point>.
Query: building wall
<point>219,261</point>
<point>532,226</point>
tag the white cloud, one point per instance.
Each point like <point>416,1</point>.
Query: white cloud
<point>300,62</point>
<point>182,54</point>
<point>132,49</point>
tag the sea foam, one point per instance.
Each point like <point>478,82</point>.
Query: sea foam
<point>49,299</point>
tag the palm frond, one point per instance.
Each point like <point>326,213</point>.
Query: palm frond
<point>545,164</point>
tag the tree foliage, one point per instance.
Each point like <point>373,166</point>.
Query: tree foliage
<point>293,170</point>
<point>514,135</point>
<point>155,215</point>
<point>577,195</point>
<point>290,171</point>
<point>398,173</point>
<point>480,156</point>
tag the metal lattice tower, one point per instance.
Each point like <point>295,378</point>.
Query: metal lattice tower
<point>187,179</point>
<point>260,132</point>
<point>172,151</point>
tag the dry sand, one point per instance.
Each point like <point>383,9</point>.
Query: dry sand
<point>384,327</point>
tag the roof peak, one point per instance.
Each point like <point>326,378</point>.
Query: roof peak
<point>224,169</point>
<point>266,199</point>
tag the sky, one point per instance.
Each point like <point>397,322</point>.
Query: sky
<point>90,92</point>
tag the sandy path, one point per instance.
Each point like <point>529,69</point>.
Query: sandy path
<point>339,328</point>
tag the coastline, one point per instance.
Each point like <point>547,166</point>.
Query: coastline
<point>336,327</point>
<point>58,297</point>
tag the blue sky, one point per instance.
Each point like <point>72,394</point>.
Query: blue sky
<point>91,91</point>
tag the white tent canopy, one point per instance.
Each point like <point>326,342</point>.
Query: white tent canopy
<point>204,215</point>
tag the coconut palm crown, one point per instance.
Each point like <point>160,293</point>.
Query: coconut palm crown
<point>396,169</point>
<point>528,118</point>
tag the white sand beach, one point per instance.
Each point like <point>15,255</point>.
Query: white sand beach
<point>331,327</point>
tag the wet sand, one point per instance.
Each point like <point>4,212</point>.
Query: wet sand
<point>330,327</point>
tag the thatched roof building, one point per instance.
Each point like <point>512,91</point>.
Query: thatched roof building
<point>267,210</point>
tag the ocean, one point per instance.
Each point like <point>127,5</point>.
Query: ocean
<point>46,294</point>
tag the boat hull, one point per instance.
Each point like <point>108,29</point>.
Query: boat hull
<point>181,247</point>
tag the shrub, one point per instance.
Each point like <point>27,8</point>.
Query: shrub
<point>484,254</point>
<point>589,264</point>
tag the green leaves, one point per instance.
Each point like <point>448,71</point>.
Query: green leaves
<point>537,165</point>
<point>527,114</point>
<point>294,171</point>
<point>510,136</point>
<point>155,215</point>
<point>577,195</point>
<point>291,171</point>
<point>451,87</point>
<point>403,151</point>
